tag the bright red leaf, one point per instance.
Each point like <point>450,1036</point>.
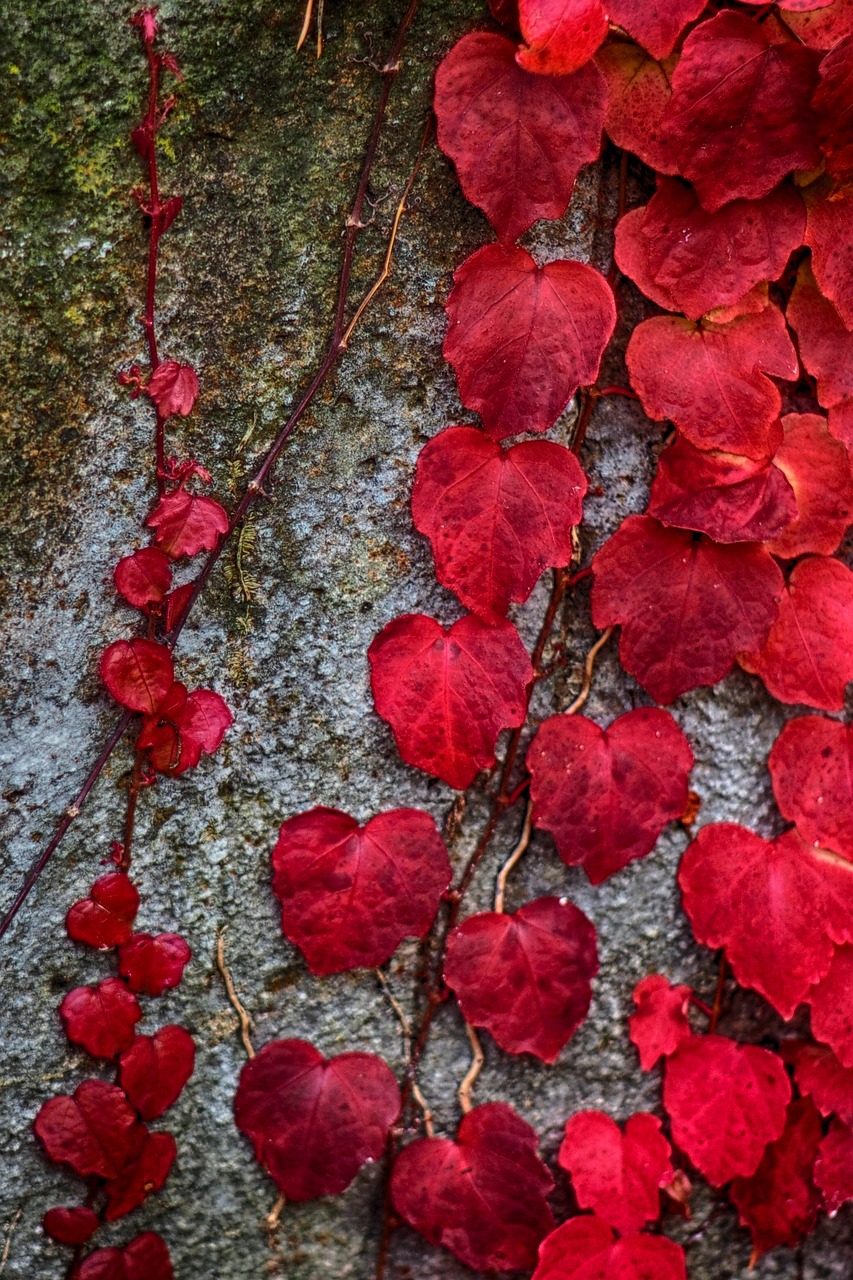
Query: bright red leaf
<point>725,1101</point>
<point>525,977</point>
<point>145,1258</point>
<point>585,1248</point>
<point>141,1177</point>
<point>833,1171</point>
<point>826,345</point>
<point>833,102</point>
<point>448,693</point>
<point>184,727</point>
<point>95,1130</point>
<point>829,235</point>
<point>144,577</point>
<point>523,338</point>
<point>811,766</point>
<point>185,523</point>
<point>173,388</point>
<point>640,89</point>
<point>175,602</point>
<point>152,964</point>
<point>660,1022</point>
<point>818,470</point>
<point>655,24</point>
<point>101,1018</point>
<point>607,794</point>
<point>496,517</point>
<point>820,1075</point>
<point>517,140</point>
<point>154,1070</point>
<point>686,606</point>
<point>105,918</point>
<point>617,1175</point>
<point>138,673</point>
<point>73,1226</point>
<point>314,1121</point>
<point>481,1196</point>
<point>831,1001</point>
<point>349,894</point>
<point>561,35</point>
<point>824,28</point>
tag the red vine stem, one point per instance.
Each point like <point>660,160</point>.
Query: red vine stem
<point>155,231</point>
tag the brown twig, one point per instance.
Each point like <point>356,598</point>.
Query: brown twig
<point>406,1031</point>
<point>514,858</point>
<point>246,1023</point>
<point>8,1233</point>
<point>465,1089</point>
<point>718,995</point>
<point>588,669</point>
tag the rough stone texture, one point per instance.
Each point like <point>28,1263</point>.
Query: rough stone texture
<point>265,147</point>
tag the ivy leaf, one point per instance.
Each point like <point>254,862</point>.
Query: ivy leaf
<point>832,1171</point>
<point>145,1258</point>
<point>660,1022</point>
<point>779,1203</point>
<point>518,141</point>
<point>154,1070</point>
<point>655,24</point>
<point>561,35</point>
<point>314,1121</point>
<point>105,918</point>
<point>141,1177</point>
<point>496,517</point>
<point>828,235</point>
<point>481,1196</point>
<point>349,894</point>
<point>826,345</point>
<point>185,523</point>
<point>138,673</point>
<point>101,1018</point>
<point>811,766</point>
<point>617,1175</point>
<point>175,602</point>
<point>95,1130</point>
<point>777,906</point>
<point>73,1226</point>
<point>526,977</point>
<point>740,116</point>
<point>824,28</point>
<point>448,693</point>
<point>725,1101</point>
<point>687,606</point>
<point>144,577</point>
<point>152,964</point>
<point>833,103</point>
<point>640,90</point>
<point>585,1248</point>
<point>173,387</point>
<point>523,338</point>
<point>831,1001</point>
<point>820,1075</point>
<point>184,727</point>
<point>818,470</point>
<point>808,654</point>
<point>711,379</point>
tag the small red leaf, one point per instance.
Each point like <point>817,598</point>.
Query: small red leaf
<point>145,1258</point>
<point>105,918</point>
<point>314,1121</point>
<point>141,1177</point>
<point>448,693</point>
<point>154,1070</point>
<point>71,1226</point>
<point>660,1023</point>
<point>101,1018</point>
<point>655,24</point>
<point>173,387</point>
<point>143,578</point>
<point>687,606</point>
<point>481,1196</point>
<point>617,1175</point>
<point>169,211</point>
<point>833,1171</point>
<point>821,30</point>
<point>585,1248</point>
<point>811,766</point>
<point>175,602</point>
<point>95,1130</point>
<point>351,894</point>
<point>826,345</point>
<point>818,470</point>
<point>831,1001</point>
<point>523,338</point>
<point>829,235</point>
<point>138,673</point>
<point>496,517</point>
<point>833,102</point>
<point>820,1075</point>
<point>525,977</point>
<point>151,964</point>
<point>726,1101</point>
<point>186,524</point>
<point>640,89</point>
<point>561,35</point>
<point>607,794</point>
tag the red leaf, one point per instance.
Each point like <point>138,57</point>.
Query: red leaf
<point>585,1249</point>
<point>640,89</point>
<point>617,1175</point>
<point>105,918</point>
<point>779,1203</point>
<point>826,346</point>
<point>777,906</point>
<point>481,1196</point>
<point>151,964</point>
<point>138,673</point>
<point>687,607</point>
<point>833,102</point>
<point>561,35</point>
<point>95,1130</point>
<point>808,655</point>
<point>831,1000</point>
<point>818,470</point>
<point>686,259</point>
<point>607,794</point>
<point>173,387</point>
<point>655,24</point>
<point>169,211</point>
<point>811,766</point>
<point>351,894</point>
<point>71,1226</point>
<point>833,1171</point>
<point>523,338</point>
<point>726,1101</point>
<point>819,1074</point>
<point>711,379</point>
<point>517,140</point>
<point>145,1258</point>
<point>448,693</point>
<point>314,1121</point>
<point>660,1023</point>
<point>175,602</point>
<point>101,1018</point>
<point>206,720</point>
<point>823,29</point>
<point>726,496</point>
<point>525,977</point>
<point>740,116</point>
<point>496,517</point>
<point>141,1177</point>
<point>186,524</point>
<point>143,578</point>
<point>829,235</point>
<point>154,1070</point>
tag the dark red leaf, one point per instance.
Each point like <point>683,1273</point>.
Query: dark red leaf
<point>496,517</point>
<point>820,1075</point>
<point>523,338</point>
<point>829,235</point>
<point>823,29</point>
<point>482,1196</point>
<point>811,766</point>
<point>351,894</point>
<point>818,470</point>
<point>740,115</point>
<point>143,578</point>
<point>138,673</point>
<point>169,211</point>
<point>175,602</point>
<point>105,918</point>
<point>585,1248</point>
<point>154,1070</point>
<point>152,964</point>
<point>617,1175</point>
<point>779,1202</point>
<point>95,1130</point>
<point>833,1171</point>
<point>640,89</point>
<point>833,102</point>
<point>660,1022</point>
<point>525,977</point>
<point>141,1177</point>
<point>173,387</point>
<point>725,1101</point>
<point>101,1018</point>
<point>314,1121</point>
<point>831,1000</point>
<point>826,345</point>
<point>687,606</point>
<point>561,35</point>
<point>71,1226</point>
<point>145,1258</point>
<point>607,794</point>
<point>186,524</point>
<point>655,24</point>
<point>448,693</point>
<point>517,140</point>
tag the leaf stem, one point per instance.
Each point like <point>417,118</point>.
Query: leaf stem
<point>246,1023</point>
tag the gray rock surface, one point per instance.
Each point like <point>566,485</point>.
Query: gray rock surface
<point>265,147</point>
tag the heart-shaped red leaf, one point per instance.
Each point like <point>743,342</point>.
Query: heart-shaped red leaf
<point>185,523</point>
<point>105,918</point>
<point>138,673</point>
<point>101,1018</point>
<point>144,577</point>
<point>833,102</point>
<point>826,344</point>
<point>153,964</point>
<point>833,1171</point>
<point>831,1001</point>
<point>95,1130</point>
<point>561,35</point>
<point>73,1226</point>
<point>811,766</point>
<point>655,24</point>
<point>585,1248</point>
<point>660,1022</point>
<point>141,1177</point>
<point>779,1202</point>
<point>145,1258</point>
<point>617,1175</point>
<point>154,1070</point>
<point>820,1075</point>
<point>640,89</point>
<point>173,387</point>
